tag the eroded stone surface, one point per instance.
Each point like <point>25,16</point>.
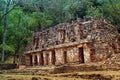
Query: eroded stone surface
<point>77,42</point>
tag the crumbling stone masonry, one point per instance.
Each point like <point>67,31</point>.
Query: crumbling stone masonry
<point>78,42</point>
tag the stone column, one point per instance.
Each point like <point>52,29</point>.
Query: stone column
<point>50,59</point>
<point>87,53</point>
<point>38,58</point>
<point>44,58</point>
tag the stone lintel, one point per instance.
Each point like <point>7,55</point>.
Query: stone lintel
<point>59,46</point>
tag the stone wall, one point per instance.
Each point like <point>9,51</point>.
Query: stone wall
<point>7,66</point>
<point>77,42</point>
<point>91,30</point>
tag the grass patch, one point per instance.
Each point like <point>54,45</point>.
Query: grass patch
<point>90,75</point>
<point>32,77</point>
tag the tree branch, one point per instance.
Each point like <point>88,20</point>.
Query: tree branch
<point>7,13</point>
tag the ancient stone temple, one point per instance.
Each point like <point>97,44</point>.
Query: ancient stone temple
<point>78,42</point>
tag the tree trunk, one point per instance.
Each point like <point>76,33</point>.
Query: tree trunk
<point>3,43</point>
<point>5,29</point>
<point>17,49</point>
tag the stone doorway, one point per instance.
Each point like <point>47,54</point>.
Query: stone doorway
<point>65,56</point>
<point>53,57</point>
<point>41,59</point>
<point>36,60</point>
<point>47,59</point>
<point>81,55</point>
<point>31,60</point>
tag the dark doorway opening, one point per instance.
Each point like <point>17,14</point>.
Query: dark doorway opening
<point>47,59</point>
<point>41,59</point>
<point>81,55</point>
<point>65,56</point>
<point>53,57</point>
<point>31,60</point>
<point>35,60</point>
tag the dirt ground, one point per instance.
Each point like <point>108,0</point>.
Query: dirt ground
<point>91,75</point>
<point>106,70</point>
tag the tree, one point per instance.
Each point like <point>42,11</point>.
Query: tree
<point>19,32</point>
<point>5,29</point>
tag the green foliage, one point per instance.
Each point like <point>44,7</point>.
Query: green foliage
<point>94,12</point>
<point>111,10</point>
<point>38,19</point>
<point>9,50</point>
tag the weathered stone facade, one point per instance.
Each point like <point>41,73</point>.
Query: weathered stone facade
<point>77,42</point>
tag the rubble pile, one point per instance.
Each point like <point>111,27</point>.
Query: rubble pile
<point>112,63</point>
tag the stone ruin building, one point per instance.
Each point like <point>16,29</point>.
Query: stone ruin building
<point>78,42</point>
